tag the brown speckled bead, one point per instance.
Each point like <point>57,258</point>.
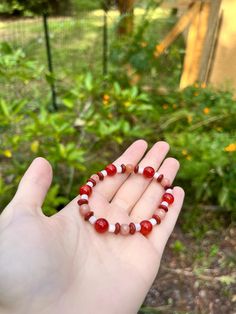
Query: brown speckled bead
<point>165,182</point>
<point>129,168</point>
<point>84,209</point>
<point>124,230</point>
<point>95,177</point>
<point>160,212</point>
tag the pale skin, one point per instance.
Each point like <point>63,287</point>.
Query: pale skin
<point>62,265</point>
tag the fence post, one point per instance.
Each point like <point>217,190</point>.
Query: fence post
<point>49,58</point>
<point>105,39</point>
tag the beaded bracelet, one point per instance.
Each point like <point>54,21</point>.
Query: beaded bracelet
<point>101,225</point>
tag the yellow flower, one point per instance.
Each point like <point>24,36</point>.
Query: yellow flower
<point>184,152</point>
<point>190,119</point>
<point>206,110</point>
<point>230,147</point>
<point>188,157</point>
<point>7,153</point>
<point>127,104</point>
<point>34,146</point>
<point>158,50</point>
<point>203,85</point>
<point>196,85</point>
<point>106,97</point>
<point>165,106</point>
<point>174,106</point>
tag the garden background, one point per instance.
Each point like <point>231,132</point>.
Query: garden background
<point>106,90</point>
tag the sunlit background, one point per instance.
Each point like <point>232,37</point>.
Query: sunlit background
<point>81,79</point>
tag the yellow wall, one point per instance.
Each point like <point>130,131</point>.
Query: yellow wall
<point>224,66</point>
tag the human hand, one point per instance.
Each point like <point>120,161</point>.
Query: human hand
<point>60,264</point>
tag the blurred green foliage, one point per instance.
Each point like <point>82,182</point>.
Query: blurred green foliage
<point>98,118</point>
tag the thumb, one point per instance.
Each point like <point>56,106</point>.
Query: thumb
<point>33,186</point>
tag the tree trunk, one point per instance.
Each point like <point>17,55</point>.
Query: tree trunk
<point>126,8</point>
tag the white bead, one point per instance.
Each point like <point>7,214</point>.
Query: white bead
<point>92,220</point>
<point>164,203</point>
<point>84,197</point>
<point>140,170</point>
<point>119,169</point>
<point>104,172</point>
<point>90,184</point>
<point>111,228</point>
<point>169,191</point>
<point>156,175</point>
<point>153,221</point>
<point>138,227</point>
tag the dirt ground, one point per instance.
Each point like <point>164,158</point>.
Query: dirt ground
<point>196,276</point>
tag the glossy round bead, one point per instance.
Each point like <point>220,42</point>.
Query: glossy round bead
<point>163,207</point>
<point>111,170</point>
<point>169,198</point>
<point>123,167</point>
<point>159,179</point>
<point>132,228</point>
<point>117,229</point>
<point>100,175</point>
<point>157,218</point>
<point>124,229</point>
<point>165,182</point>
<point>84,209</point>
<point>101,225</point>
<point>82,201</point>
<point>129,168</point>
<point>95,177</point>
<point>146,227</point>
<point>160,213</point>
<point>85,189</point>
<point>148,172</point>
<point>136,169</point>
<point>88,215</point>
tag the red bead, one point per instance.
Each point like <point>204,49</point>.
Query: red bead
<point>92,181</point>
<point>157,218</point>
<point>123,167</point>
<point>101,225</point>
<point>148,172</point>
<point>82,201</point>
<point>160,177</point>
<point>136,169</point>
<point>101,176</point>
<point>111,170</point>
<point>88,215</point>
<point>168,197</point>
<point>85,189</point>
<point>117,230</point>
<point>146,227</point>
<point>132,228</point>
<point>163,207</point>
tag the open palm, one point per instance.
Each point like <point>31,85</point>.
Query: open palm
<point>60,264</point>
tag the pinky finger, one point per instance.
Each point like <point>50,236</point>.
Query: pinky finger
<point>161,233</point>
